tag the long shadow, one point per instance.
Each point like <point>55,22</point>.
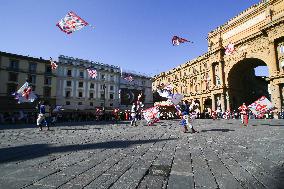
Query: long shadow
<point>222,130</point>
<point>278,181</point>
<point>63,124</point>
<point>32,151</point>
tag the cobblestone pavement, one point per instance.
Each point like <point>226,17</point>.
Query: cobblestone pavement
<point>222,155</point>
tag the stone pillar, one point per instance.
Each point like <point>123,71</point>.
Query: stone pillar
<point>221,73</point>
<point>212,76</point>
<point>213,102</point>
<point>202,104</point>
<point>223,102</point>
<point>273,60</point>
<point>276,96</point>
<point>227,101</point>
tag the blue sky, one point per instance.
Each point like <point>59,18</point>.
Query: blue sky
<point>133,34</point>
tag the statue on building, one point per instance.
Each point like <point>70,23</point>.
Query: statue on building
<point>219,103</point>
<point>207,81</point>
<point>217,78</point>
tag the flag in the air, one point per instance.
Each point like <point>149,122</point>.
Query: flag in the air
<point>229,49</point>
<point>53,64</point>
<point>261,106</point>
<point>151,115</point>
<point>92,72</point>
<point>25,94</point>
<point>71,22</point>
<point>129,78</point>
<point>177,40</point>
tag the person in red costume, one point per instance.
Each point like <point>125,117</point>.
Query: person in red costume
<point>214,115</point>
<point>244,114</point>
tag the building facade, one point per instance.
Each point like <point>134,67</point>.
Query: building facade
<point>15,70</point>
<point>76,90</point>
<point>129,90</point>
<point>216,79</point>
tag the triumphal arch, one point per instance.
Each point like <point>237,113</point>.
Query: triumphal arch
<point>216,79</point>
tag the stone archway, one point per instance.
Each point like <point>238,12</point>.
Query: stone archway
<point>243,85</point>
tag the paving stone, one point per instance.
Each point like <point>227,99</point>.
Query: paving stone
<point>222,155</point>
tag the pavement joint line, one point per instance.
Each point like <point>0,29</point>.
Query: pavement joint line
<point>243,168</point>
<point>94,166</point>
<point>233,151</point>
<point>56,171</point>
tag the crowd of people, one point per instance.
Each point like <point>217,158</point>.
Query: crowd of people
<point>166,113</point>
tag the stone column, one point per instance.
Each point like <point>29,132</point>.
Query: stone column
<point>227,101</point>
<point>273,61</point>
<point>213,102</point>
<point>212,76</point>
<point>221,73</point>
<point>202,104</point>
<point>223,102</point>
<point>276,96</point>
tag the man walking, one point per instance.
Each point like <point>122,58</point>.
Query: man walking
<point>244,114</point>
<point>41,115</point>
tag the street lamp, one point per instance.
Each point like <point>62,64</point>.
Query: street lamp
<point>104,87</point>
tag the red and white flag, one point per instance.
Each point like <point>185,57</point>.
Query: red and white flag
<point>177,40</point>
<point>229,49</point>
<point>71,22</point>
<point>152,115</point>
<point>129,78</point>
<point>25,94</point>
<point>92,73</point>
<point>53,64</point>
<point>261,106</point>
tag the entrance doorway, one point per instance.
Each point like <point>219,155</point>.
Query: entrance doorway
<point>246,84</point>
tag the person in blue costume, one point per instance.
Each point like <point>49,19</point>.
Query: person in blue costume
<point>187,117</point>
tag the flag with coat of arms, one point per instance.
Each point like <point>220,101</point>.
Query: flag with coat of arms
<point>261,106</point>
<point>53,64</point>
<point>92,72</point>
<point>71,22</point>
<point>25,94</point>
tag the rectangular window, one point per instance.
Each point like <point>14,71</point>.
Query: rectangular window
<point>32,79</point>
<point>111,78</point>
<point>111,88</point>
<point>32,67</point>
<point>69,73</point>
<point>91,104</point>
<point>111,104</point>
<point>46,91</point>
<point>67,102</point>
<point>47,80</point>
<point>67,94</point>
<point>92,86</point>
<point>33,87</point>
<point>91,95</point>
<point>68,83</point>
<point>81,74</point>
<point>48,69</point>
<point>79,103</point>
<point>80,94</point>
<point>102,87</point>
<point>111,96</point>
<point>103,77</point>
<point>14,64</point>
<point>13,76</point>
<point>102,95</point>
<point>81,84</point>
